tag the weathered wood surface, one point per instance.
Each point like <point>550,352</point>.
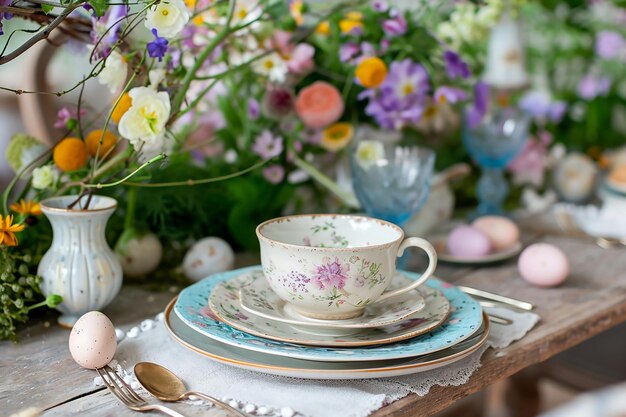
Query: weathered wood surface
<point>39,371</point>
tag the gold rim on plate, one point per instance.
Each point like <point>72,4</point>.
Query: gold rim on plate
<point>471,349</point>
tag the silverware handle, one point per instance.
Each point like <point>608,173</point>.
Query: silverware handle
<point>216,402</point>
<point>163,409</point>
<point>499,319</point>
<point>523,305</point>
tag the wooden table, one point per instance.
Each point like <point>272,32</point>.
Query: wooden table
<point>40,372</point>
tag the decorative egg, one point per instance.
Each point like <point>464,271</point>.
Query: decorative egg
<point>139,254</point>
<point>575,177</point>
<point>502,232</point>
<point>93,340</point>
<point>467,242</point>
<point>208,256</point>
<point>543,265</point>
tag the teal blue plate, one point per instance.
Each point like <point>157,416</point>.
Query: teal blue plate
<point>464,319</point>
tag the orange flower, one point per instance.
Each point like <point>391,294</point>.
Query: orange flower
<point>336,136</point>
<point>8,231</point>
<point>319,105</point>
<point>371,72</point>
<point>27,208</point>
<point>70,154</point>
<point>92,141</point>
<point>323,28</point>
<point>122,107</point>
<point>295,8</point>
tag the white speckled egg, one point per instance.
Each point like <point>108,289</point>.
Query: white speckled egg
<point>92,340</point>
<point>543,265</point>
<point>502,232</point>
<point>575,177</point>
<point>208,256</point>
<point>140,255</point>
<point>467,242</point>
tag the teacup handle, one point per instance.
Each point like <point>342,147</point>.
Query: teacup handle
<point>432,264</point>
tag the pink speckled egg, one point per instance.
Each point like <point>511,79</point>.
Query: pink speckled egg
<point>543,265</point>
<point>502,232</point>
<point>93,341</point>
<point>467,242</point>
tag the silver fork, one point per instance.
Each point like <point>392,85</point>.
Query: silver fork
<point>128,396</point>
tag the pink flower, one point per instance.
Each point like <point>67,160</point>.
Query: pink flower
<point>277,102</point>
<point>274,174</point>
<point>267,145</point>
<point>64,115</point>
<point>331,275</point>
<point>529,166</point>
<point>299,58</point>
<point>319,105</point>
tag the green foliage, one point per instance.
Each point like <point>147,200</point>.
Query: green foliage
<point>18,287</point>
<point>99,6</point>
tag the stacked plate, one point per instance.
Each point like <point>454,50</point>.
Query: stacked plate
<point>236,319</point>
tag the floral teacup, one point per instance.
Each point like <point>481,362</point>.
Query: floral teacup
<point>331,266</point>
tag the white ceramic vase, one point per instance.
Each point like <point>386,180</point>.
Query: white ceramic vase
<point>79,266</point>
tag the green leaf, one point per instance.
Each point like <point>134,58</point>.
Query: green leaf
<point>47,8</point>
<point>99,6</point>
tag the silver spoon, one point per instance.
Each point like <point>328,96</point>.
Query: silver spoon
<point>166,386</point>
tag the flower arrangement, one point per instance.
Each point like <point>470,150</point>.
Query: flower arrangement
<point>271,90</point>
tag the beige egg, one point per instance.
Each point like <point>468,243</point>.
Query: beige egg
<point>502,232</point>
<point>206,257</point>
<point>93,341</point>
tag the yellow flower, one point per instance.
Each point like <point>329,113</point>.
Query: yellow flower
<point>371,72</point>
<point>70,154</point>
<point>295,8</point>
<point>8,231</point>
<point>353,20</point>
<point>323,28</point>
<point>122,107</point>
<point>336,136</point>
<point>27,208</point>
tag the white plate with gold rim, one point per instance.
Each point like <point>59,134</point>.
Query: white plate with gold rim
<point>440,244</point>
<point>225,304</point>
<point>308,369</point>
<point>258,298</point>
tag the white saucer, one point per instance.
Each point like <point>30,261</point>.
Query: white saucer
<point>440,244</point>
<point>259,299</point>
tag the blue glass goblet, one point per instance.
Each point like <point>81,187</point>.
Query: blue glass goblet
<point>391,181</point>
<point>496,141</point>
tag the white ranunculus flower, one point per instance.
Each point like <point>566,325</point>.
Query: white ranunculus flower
<point>144,122</point>
<point>114,73</point>
<point>369,152</point>
<point>272,66</point>
<point>44,177</point>
<point>168,17</point>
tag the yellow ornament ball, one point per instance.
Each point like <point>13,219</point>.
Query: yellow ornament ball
<point>122,107</point>
<point>371,72</point>
<point>92,140</point>
<point>70,154</point>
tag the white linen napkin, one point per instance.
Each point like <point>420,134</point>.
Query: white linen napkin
<point>268,395</point>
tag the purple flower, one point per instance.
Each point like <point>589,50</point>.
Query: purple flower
<point>278,102</point>
<point>158,47</point>
<point>106,30</point>
<point>367,50</point>
<point>449,95</point>
<point>396,26</point>
<point>348,50</point>
<point>268,146</point>
<point>400,99</point>
<point>540,106</point>
<point>4,15</point>
<point>254,109</point>
<point>274,173</point>
<point>609,44</point>
<point>477,110</point>
<point>380,6</point>
<point>455,66</point>
<point>330,275</point>
<point>64,115</point>
<point>592,86</point>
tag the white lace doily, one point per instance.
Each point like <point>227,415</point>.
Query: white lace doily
<point>268,395</point>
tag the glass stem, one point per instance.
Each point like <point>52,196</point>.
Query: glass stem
<point>492,191</point>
